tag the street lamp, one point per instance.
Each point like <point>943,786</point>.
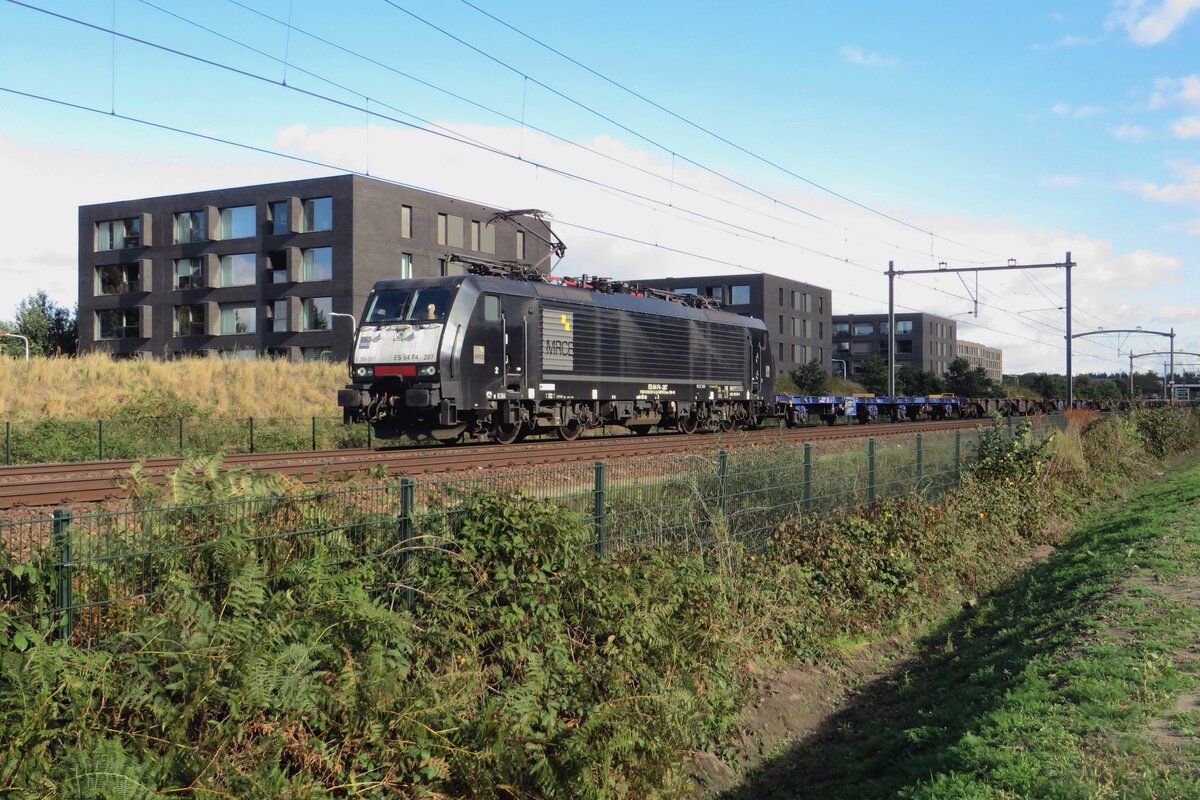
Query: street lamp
<point>350,317</point>
<point>18,336</point>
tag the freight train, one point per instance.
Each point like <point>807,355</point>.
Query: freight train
<point>503,352</point>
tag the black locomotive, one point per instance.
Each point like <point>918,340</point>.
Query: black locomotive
<point>504,353</point>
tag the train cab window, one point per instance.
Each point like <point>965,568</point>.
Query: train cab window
<point>390,306</point>
<point>491,308</point>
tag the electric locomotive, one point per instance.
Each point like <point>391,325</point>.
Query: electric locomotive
<point>502,352</point>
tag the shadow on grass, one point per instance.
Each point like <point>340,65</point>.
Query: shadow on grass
<point>919,720</point>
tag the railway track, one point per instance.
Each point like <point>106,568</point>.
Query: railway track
<point>72,484</point>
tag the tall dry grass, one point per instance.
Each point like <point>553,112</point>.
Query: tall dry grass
<point>96,387</point>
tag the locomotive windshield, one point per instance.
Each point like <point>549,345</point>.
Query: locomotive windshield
<point>392,306</point>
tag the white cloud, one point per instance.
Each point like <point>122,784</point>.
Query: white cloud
<point>1064,110</point>
<point>1186,128</point>
<point>1130,133</point>
<point>1151,23</point>
<point>856,55</point>
<point>1191,227</point>
<point>1184,189</point>
<point>857,245</point>
<point>1069,40</point>
<point>1172,91</point>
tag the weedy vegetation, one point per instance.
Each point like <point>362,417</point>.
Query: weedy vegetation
<point>494,654</point>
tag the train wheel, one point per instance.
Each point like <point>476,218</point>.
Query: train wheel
<point>687,424</point>
<point>725,426</point>
<point>570,432</point>
<point>507,434</point>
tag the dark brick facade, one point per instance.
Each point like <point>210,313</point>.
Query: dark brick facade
<point>129,290</point>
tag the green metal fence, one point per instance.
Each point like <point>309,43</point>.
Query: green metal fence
<point>92,575</point>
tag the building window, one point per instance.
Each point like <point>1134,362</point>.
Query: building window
<point>277,316</point>
<point>318,214</point>
<point>820,304</point>
<point>454,231</point>
<point>903,326</point>
<point>318,264</point>
<point>406,222</point>
<point>441,229</point>
<point>118,323</point>
<point>237,222</point>
<point>797,354</point>
<point>406,265</point>
<point>475,235</point>
<point>717,293</point>
<point>315,316</point>
<point>864,328</point>
<point>739,295</point>
<point>820,330</point>
<point>117,234</point>
<point>277,263</point>
<point>238,270</point>
<point>795,301</point>
<point>241,354</point>
<point>520,245</point>
<point>189,227</point>
<point>807,303</point>
<point>279,217</point>
<point>808,329</point>
<point>488,243</point>
<point>781,297</point>
<point>821,354</point>
<point>452,267</point>
<point>189,273</point>
<point>841,329</point>
<point>688,290</point>
<point>117,279</point>
<point>189,320</point>
<point>782,330</point>
<point>796,327</point>
<point>240,318</point>
<point>316,353</point>
<point>842,347</point>
<point>904,346</point>
<point>781,352</point>
<point>442,267</point>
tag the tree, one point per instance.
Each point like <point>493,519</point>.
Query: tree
<point>875,377</point>
<point>966,381</point>
<point>51,328</point>
<point>912,382</point>
<point>810,378</point>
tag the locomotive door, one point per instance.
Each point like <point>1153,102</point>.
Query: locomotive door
<point>483,349</point>
<point>515,325</point>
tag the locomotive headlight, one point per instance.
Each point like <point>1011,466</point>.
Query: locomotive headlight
<point>364,372</point>
<point>426,372</point>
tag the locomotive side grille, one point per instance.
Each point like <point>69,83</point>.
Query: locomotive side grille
<point>656,348</point>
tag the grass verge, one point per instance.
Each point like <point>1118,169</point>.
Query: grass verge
<point>1078,679</point>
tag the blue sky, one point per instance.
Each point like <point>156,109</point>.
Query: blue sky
<point>1018,130</point>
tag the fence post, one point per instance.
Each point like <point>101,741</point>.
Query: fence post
<point>181,436</point>
<point>871,470</point>
<point>100,439</point>
<point>723,485</point>
<point>958,458</point>
<point>251,434</point>
<point>314,438</point>
<point>407,494</point>
<point>7,443</point>
<point>920,461</point>
<point>368,435</point>
<point>808,482</point>
<point>63,573</point>
<point>598,512</point>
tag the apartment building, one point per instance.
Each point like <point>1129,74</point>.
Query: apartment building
<point>980,355</point>
<point>798,315</point>
<point>269,270</point>
<point>923,341</point>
